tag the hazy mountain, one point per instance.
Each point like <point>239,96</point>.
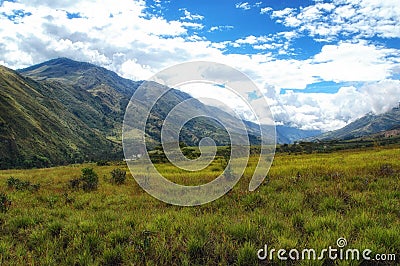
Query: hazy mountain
<point>366,125</point>
<point>287,134</point>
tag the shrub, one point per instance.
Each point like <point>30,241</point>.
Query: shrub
<point>89,179</point>
<point>118,176</point>
<point>74,183</point>
<point>12,182</point>
<point>21,185</point>
<point>5,202</point>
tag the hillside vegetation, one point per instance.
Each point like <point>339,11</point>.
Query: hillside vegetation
<point>39,126</point>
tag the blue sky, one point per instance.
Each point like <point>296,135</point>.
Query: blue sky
<point>320,64</point>
<point>239,20</point>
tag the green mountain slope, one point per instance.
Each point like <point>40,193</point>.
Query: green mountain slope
<point>113,94</point>
<point>38,129</point>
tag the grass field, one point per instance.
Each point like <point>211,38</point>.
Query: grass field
<point>306,201</point>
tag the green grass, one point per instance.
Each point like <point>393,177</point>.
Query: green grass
<point>307,201</point>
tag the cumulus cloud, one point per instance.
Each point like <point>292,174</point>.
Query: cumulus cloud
<point>121,36</point>
<point>340,108</point>
<point>326,21</point>
<point>103,30</point>
<point>349,61</point>
<point>213,95</point>
<point>279,42</point>
<point>265,10</point>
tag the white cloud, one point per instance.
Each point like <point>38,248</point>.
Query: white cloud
<point>325,21</point>
<point>190,16</point>
<point>248,40</point>
<point>340,108</point>
<point>106,29</point>
<point>265,10</point>
<point>122,37</point>
<point>353,62</point>
<point>279,41</point>
<point>265,46</point>
<point>220,28</point>
<point>192,25</point>
<point>243,5</point>
<point>343,62</point>
<point>283,13</point>
<point>213,95</point>
<point>133,70</point>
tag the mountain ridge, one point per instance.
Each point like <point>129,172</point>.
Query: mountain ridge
<point>366,125</point>
<point>38,130</point>
<point>63,111</point>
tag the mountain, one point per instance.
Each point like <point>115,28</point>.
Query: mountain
<point>113,94</point>
<point>287,134</point>
<point>38,128</point>
<point>63,111</point>
<point>110,92</point>
<point>366,125</point>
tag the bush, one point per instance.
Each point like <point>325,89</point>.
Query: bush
<point>74,183</point>
<point>89,179</point>
<point>21,185</point>
<point>12,182</point>
<point>34,187</point>
<point>118,176</point>
<point>5,202</point>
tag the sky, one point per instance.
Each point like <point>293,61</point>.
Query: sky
<point>320,64</point>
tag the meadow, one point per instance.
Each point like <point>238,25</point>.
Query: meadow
<point>306,201</point>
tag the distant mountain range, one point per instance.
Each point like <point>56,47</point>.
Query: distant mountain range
<point>287,134</point>
<point>63,111</point>
<point>364,126</point>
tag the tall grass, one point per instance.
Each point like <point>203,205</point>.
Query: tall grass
<point>306,201</point>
